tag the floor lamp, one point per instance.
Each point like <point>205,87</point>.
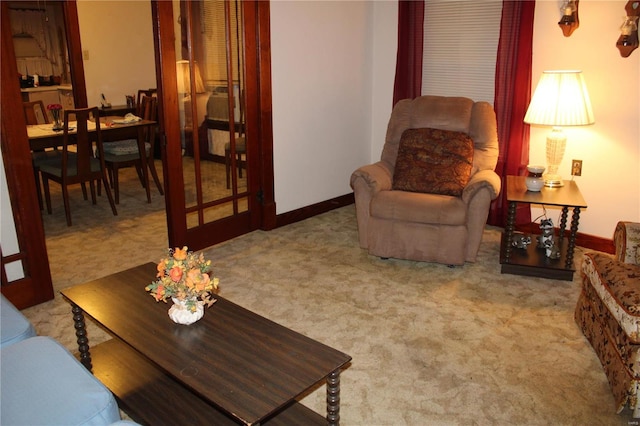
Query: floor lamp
<point>560,99</point>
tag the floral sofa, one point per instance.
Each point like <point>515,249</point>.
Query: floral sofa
<point>608,312</point>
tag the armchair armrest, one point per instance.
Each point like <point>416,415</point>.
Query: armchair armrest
<point>483,179</point>
<point>377,177</point>
<point>626,239</point>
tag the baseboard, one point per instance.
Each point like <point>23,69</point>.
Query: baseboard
<point>313,210</point>
<point>583,240</point>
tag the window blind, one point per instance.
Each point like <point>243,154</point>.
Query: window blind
<point>215,46</point>
<point>460,48</point>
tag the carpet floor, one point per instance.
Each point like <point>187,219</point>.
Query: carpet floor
<point>430,344</point>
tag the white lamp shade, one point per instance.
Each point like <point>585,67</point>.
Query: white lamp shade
<point>560,99</point>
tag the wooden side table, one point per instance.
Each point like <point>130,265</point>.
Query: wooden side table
<point>532,261</point>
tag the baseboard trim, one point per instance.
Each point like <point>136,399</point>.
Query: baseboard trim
<point>583,240</point>
<point>587,241</point>
<point>315,209</point>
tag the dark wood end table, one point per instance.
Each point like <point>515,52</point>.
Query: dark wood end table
<point>532,261</point>
<point>231,367</point>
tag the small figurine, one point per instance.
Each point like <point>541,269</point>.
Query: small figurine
<point>521,241</point>
<point>546,225</point>
<point>551,250</point>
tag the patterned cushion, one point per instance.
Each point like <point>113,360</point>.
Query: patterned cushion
<point>618,286</point>
<point>433,161</point>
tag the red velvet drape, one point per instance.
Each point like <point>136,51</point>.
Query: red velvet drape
<point>408,81</point>
<point>512,96</point>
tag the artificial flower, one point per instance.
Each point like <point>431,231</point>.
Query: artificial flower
<point>185,276</point>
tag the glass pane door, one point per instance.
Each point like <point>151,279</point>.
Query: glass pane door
<point>210,74</point>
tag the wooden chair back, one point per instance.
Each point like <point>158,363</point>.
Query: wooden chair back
<point>82,165</point>
<point>142,93</point>
<point>149,111</point>
<point>35,112</point>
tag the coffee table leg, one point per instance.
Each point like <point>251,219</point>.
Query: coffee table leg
<point>333,398</point>
<point>81,334</point>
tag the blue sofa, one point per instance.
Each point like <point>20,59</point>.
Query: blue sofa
<point>43,383</point>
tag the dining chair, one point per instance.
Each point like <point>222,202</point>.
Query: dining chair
<point>144,92</point>
<point>125,153</point>
<point>35,113</point>
<point>81,166</point>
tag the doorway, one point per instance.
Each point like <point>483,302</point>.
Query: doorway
<point>258,212</point>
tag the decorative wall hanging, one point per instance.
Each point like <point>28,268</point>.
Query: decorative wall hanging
<point>569,21</point>
<point>628,40</point>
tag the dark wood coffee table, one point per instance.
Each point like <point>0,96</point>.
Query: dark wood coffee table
<point>231,367</point>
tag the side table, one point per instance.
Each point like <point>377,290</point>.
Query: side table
<point>532,261</point>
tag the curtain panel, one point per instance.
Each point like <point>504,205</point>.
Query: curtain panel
<point>408,81</point>
<point>512,97</point>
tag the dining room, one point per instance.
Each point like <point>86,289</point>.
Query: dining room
<point>212,188</point>
<point>129,53</point>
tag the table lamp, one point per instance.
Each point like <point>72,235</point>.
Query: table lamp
<point>184,78</point>
<point>560,99</point>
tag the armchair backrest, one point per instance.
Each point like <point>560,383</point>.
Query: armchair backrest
<point>477,119</point>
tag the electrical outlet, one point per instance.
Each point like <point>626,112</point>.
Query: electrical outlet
<point>576,167</point>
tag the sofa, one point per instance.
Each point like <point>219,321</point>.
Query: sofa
<point>428,197</point>
<point>44,384</point>
<point>608,313</point>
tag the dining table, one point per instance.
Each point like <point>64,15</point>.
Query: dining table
<point>112,128</point>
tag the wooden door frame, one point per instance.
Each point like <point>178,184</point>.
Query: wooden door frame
<point>258,106</point>
<point>36,286</point>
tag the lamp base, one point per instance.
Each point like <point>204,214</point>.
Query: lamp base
<point>553,181</point>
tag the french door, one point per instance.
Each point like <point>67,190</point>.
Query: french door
<point>215,95</point>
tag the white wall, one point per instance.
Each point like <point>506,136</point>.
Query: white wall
<point>306,84</point>
<point>610,149</point>
<point>118,37</point>
<point>321,55</point>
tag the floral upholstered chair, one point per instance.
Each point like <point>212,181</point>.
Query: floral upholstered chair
<point>608,312</point>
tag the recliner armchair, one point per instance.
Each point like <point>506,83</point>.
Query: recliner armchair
<point>423,226</point>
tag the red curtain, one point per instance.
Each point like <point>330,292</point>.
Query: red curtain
<point>408,82</point>
<point>512,96</point>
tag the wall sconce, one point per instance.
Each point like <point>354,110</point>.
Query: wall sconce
<point>569,21</point>
<point>560,99</point>
<point>628,40</point>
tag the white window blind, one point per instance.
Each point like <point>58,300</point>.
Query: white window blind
<point>215,42</point>
<point>460,48</point>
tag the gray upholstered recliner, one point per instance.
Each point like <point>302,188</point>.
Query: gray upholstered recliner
<point>422,226</point>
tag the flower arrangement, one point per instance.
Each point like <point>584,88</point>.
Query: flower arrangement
<point>183,275</point>
<point>56,110</point>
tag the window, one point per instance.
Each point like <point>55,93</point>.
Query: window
<point>460,48</point>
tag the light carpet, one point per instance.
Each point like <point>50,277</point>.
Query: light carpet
<point>430,344</point>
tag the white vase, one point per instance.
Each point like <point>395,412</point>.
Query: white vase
<point>181,314</point>
<point>534,181</point>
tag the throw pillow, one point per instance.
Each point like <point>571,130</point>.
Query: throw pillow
<point>433,161</point>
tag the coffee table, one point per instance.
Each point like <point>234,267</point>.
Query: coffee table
<point>233,366</point>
